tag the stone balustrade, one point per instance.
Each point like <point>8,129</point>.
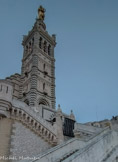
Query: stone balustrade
<point>30,118</point>
<point>81,130</point>
<point>34,114</point>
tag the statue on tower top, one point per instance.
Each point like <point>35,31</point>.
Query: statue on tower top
<point>41,13</point>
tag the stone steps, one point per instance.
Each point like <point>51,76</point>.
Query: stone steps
<point>66,156</point>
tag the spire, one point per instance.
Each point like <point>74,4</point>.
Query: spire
<point>41,13</point>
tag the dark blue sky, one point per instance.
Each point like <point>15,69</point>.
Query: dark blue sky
<point>86,52</point>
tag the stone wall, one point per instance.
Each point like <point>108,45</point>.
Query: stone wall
<point>103,147</point>
<point>16,81</point>
<point>6,91</point>
<point>5,136</point>
<point>26,143</point>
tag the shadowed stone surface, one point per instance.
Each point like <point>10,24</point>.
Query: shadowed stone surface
<point>25,142</point>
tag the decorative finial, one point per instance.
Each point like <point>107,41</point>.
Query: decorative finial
<point>41,13</point>
<point>72,115</point>
<point>59,108</point>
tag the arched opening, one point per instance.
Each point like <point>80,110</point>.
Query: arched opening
<point>30,46</point>
<point>49,50</point>
<point>52,138</point>
<point>54,120</point>
<point>28,118</point>
<point>39,127</point>
<point>35,125</point>
<point>43,102</point>
<point>7,90</point>
<point>32,42</point>
<point>43,86</point>
<point>2,116</point>
<point>44,69</point>
<point>46,133</point>
<point>26,74</point>
<point>40,42</point>
<point>45,46</point>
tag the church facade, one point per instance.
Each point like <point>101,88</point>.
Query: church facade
<point>31,128</point>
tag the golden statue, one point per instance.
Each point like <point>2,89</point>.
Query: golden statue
<point>41,13</point>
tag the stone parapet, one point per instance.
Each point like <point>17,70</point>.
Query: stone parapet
<point>6,94</point>
<point>97,148</point>
<point>15,80</point>
<point>21,105</point>
<point>85,131</point>
<point>25,114</point>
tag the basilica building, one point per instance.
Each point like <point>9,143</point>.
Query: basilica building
<point>32,129</point>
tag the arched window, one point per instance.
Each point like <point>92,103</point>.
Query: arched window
<point>7,90</point>
<point>40,42</point>
<point>45,46</point>
<point>49,50</point>
<point>24,94</point>
<point>43,86</point>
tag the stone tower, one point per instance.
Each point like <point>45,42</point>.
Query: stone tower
<point>38,65</point>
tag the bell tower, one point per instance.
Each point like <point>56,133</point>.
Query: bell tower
<point>38,65</point>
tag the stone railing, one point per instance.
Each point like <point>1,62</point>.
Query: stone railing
<point>31,119</point>
<point>84,130</point>
<point>112,155</point>
<point>101,146</point>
